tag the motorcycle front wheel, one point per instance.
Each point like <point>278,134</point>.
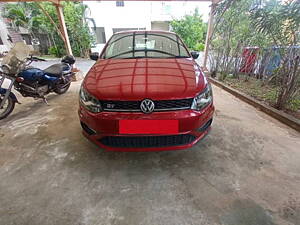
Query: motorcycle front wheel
<point>7,108</point>
<point>62,89</point>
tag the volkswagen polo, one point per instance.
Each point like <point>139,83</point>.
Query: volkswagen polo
<point>145,93</point>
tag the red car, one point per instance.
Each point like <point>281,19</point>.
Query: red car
<point>145,93</point>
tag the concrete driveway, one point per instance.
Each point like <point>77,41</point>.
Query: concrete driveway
<point>245,172</point>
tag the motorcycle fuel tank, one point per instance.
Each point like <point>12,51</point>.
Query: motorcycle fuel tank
<point>32,74</point>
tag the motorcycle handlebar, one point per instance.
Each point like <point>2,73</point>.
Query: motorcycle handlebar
<point>34,58</point>
<point>39,59</point>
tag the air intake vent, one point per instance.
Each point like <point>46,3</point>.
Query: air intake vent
<point>147,141</point>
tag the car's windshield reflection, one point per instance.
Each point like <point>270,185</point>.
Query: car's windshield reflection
<point>145,45</point>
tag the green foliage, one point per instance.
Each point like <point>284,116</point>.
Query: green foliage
<point>277,21</point>
<point>79,33</point>
<point>234,27</point>
<point>294,103</point>
<point>263,24</point>
<point>191,29</point>
<point>58,52</point>
<point>199,47</point>
<point>22,15</point>
<point>17,13</point>
<point>30,16</point>
<point>281,22</point>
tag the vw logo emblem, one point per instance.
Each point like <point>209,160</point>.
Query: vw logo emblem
<point>147,106</point>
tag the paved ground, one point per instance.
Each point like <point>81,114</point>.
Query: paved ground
<point>246,172</point>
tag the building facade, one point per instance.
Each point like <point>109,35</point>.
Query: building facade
<point>110,17</point>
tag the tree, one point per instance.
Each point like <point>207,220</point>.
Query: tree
<point>191,29</point>
<point>281,23</point>
<point>268,24</point>
<point>80,37</point>
<point>30,16</point>
<point>22,15</point>
<point>232,32</point>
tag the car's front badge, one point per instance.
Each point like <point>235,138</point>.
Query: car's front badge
<point>110,106</point>
<point>147,106</point>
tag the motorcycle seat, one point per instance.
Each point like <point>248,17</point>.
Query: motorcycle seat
<point>56,70</point>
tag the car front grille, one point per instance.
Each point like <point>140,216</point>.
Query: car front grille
<point>134,106</point>
<point>147,141</point>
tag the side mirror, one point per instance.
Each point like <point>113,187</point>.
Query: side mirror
<point>195,55</point>
<point>94,56</point>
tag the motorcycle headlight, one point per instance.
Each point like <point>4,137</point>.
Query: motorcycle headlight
<point>89,102</point>
<point>203,99</point>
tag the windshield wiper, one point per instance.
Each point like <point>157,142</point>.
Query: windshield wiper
<point>181,56</point>
<point>123,53</point>
<point>159,51</point>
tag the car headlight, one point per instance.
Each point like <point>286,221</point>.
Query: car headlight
<point>203,99</point>
<point>89,102</point>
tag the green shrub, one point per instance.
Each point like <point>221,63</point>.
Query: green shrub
<point>294,104</point>
<point>199,47</point>
<point>191,28</point>
<point>58,52</point>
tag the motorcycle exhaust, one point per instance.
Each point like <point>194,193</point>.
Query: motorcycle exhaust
<point>33,90</point>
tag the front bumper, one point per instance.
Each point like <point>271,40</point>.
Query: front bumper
<point>103,129</point>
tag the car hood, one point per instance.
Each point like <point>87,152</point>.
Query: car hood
<point>137,79</point>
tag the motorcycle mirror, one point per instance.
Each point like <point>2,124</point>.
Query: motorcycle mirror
<point>94,56</point>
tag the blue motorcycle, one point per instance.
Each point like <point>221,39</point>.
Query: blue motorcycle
<point>33,82</point>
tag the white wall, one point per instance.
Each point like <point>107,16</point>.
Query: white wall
<point>132,15</point>
<point>3,34</point>
<point>136,14</point>
<point>160,25</point>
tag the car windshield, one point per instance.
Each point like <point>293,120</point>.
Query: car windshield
<point>145,45</point>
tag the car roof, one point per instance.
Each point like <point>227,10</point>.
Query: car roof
<point>144,31</point>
